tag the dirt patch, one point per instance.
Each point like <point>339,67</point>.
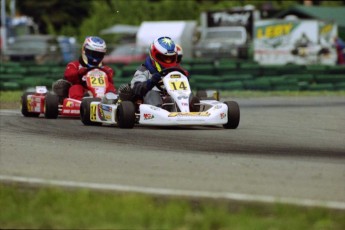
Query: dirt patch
<point>9,105</point>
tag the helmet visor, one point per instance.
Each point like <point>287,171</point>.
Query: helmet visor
<point>168,59</point>
<point>94,54</point>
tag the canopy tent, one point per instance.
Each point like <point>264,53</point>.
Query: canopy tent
<point>121,29</point>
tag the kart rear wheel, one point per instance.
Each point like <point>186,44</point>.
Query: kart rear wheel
<point>51,106</point>
<point>126,115</point>
<point>85,111</point>
<point>24,106</point>
<point>233,115</point>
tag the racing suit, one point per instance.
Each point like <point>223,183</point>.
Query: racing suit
<point>139,85</point>
<point>75,71</point>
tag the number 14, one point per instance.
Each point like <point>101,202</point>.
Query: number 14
<point>178,85</point>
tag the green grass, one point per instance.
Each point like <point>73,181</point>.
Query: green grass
<point>55,208</point>
<point>14,96</point>
<point>11,99</point>
<point>10,96</point>
<point>255,94</point>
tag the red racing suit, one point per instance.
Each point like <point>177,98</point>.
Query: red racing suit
<point>74,72</point>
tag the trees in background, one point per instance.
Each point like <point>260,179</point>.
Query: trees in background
<point>80,18</point>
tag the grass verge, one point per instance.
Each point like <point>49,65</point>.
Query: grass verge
<point>56,208</point>
<point>11,99</point>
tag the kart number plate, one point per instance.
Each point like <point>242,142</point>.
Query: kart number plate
<point>178,85</point>
<point>97,81</point>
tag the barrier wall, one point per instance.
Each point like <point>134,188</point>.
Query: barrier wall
<point>205,74</point>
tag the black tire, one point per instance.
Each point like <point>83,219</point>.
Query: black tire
<point>233,115</point>
<point>126,115</point>
<point>51,106</point>
<point>194,104</point>
<point>24,106</point>
<point>85,111</point>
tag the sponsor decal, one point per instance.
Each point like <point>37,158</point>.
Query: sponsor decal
<point>106,108</point>
<point>189,114</point>
<point>218,106</point>
<point>69,104</point>
<point>175,76</point>
<point>148,116</point>
<point>222,115</point>
<point>93,112</point>
<point>70,111</point>
<point>154,108</point>
<point>184,97</point>
<point>101,112</point>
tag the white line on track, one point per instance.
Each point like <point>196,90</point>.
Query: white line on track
<point>175,192</point>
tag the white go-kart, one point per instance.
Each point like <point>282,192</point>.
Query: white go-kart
<point>182,108</point>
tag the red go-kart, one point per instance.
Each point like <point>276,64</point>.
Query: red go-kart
<point>57,103</point>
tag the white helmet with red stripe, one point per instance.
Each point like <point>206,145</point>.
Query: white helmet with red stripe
<point>93,51</point>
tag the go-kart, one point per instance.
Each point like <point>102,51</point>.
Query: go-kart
<point>182,108</point>
<point>53,104</point>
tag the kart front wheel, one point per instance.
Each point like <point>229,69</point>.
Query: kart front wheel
<point>51,106</point>
<point>85,111</point>
<point>126,115</point>
<point>24,106</point>
<point>233,115</point>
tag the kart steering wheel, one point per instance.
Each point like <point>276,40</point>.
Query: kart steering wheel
<point>166,71</point>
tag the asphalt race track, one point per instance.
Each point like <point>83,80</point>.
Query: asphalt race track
<point>285,149</point>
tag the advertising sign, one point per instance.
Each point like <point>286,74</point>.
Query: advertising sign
<point>301,42</point>
<point>243,18</point>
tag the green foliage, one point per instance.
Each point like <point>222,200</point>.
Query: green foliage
<point>82,18</point>
<point>55,208</point>
<point>54,13</point>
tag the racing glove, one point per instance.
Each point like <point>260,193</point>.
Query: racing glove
<point>150,83</point>
<point>82,71</point>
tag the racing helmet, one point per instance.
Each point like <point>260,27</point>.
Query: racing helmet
<point>179,53</point>
<point>163,53</point>
<point>93,51</point>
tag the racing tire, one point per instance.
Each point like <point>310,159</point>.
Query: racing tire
<point>125,115</point>
<point>51,106</point>
<point>85,112</point>
<point>24,106</point>
<point>194,104</point>
<point>233,115</point>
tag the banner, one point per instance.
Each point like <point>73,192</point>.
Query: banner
<point>302,42</point>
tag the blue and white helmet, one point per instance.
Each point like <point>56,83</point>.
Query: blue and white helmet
<point>163,53</point>
<point>93,51</point>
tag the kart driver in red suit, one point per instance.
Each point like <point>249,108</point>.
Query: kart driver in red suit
<point>93,51</point>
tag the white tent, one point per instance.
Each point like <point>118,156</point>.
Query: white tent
<point>121,29</point>
<point>182,32</point>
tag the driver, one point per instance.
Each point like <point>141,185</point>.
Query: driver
<point>93,51</point>
<point>162,55</point>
